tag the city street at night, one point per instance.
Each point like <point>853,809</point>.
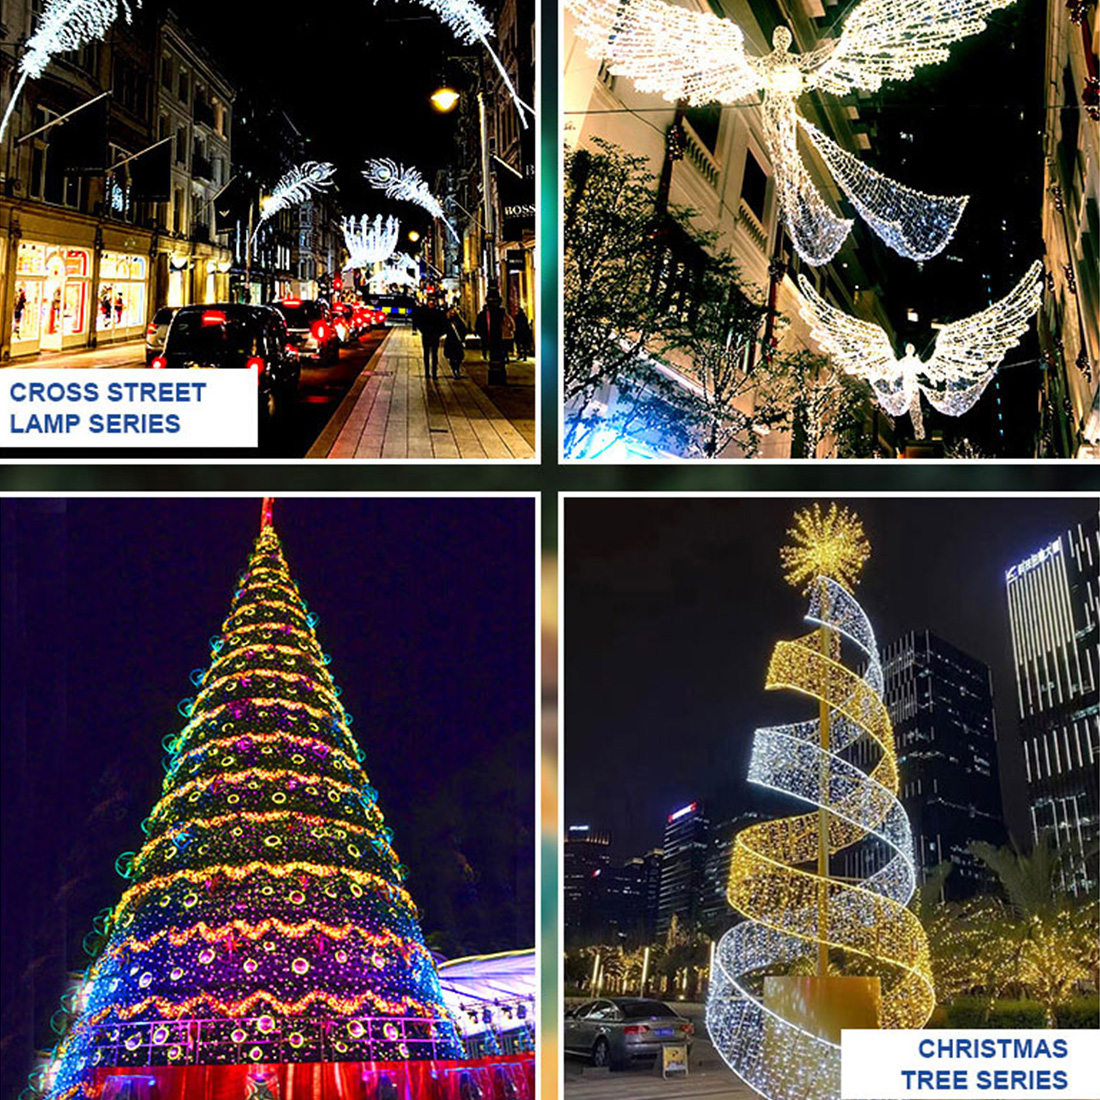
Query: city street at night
<point>170,200</point>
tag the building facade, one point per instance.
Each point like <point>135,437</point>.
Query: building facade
<point>586,854</point>
<point>683,869</point>
<point>1070,315</point>
<point>940,702</point>
<point>1052,609</point>
<point>86,254</point>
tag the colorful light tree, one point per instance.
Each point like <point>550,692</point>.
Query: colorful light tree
<point>264,919</point>
<point>800,920</point>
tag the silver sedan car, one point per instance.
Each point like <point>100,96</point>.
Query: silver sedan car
<point>617,1030</point>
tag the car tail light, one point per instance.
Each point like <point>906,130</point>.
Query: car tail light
<point>159,363</point>
<point>635,1029</point>
<point>151,329</point>
<point>319,330</point>
<point>213,317</point>
<point>689,1029</point>
<point>292,301</point>
<point>258,363</point>
<point>290,349</point>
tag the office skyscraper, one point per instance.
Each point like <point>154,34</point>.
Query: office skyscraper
<point>587,853</point>
<point>683,868</point>
<point>1052,609</point>
<point>941,705</point>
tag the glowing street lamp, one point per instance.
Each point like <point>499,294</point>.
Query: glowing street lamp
<point>444,99</point>
<point>414,236</point>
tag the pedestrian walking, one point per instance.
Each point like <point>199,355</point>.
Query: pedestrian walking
<point>454,342</point>
<point>525,343</point>
<point>430,321</point>
<point>490,331</point>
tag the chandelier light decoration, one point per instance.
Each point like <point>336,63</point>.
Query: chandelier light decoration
<point>696,57</point>
<point>264,920</point>
<point>400,270</point>
<point>296,187</point>
<point>405,185</point>
<point>797,918</point>
<point>368,242</point>
<point>966,356</point>
<point>62,26</point>
<point>468,22</point>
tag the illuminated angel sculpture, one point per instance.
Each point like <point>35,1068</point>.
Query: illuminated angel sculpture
<point>368,242</point>
<point>295,187</point>
<point>696,57</point>
<point>966,356</point>
<point>406,185</point>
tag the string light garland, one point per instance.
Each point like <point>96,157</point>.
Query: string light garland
<point>298,185</point>
<point>697,57</point>
<point>468,22</point>
<point>405,185</point>
<point>61,26</point>
<point>368,242</point>
<point>793,914</point>
<point>965,358</point>
<point>264,917</point>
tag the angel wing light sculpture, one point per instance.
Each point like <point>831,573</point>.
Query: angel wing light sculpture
<point>62,26</point>
<point>406,185</point>
<point>697,58</point>
<point>966,356</point>
<point>469,23</point>
<point>368,242</point>
<point>295,187</point>
<point>400,270</point>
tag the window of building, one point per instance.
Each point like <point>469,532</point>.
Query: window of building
<point>184,87</point>
<point>754,186</point>
<point>166,71</point>
<point>181,145</point>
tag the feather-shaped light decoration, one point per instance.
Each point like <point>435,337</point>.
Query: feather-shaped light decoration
<point>468,22</point>
<point>296,186</point>
<point>64,25</point>
<point>406,185</point>
<point>368,242</point>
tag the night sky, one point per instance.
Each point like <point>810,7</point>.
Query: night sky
<point>672,608</point>
<point>427,607</point>
<point>354,78</point>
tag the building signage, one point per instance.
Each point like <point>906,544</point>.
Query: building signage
<point>1037,558</point>
<point>680,813</point>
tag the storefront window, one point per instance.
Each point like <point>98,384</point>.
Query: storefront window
<point>122,289</point>
<point>50,308</point>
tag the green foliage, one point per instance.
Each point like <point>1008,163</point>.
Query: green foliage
<point>966,1012</point>
<point>1081,1012</point>
<point>1004,1014</point>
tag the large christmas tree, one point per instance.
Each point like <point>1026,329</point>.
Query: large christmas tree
<point>264,921</point>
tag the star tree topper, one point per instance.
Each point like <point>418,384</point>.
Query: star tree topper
<point>697,57</point>
<point>966,356</point>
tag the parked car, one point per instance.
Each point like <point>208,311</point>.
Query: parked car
<point>617,1030</point>
<point>157,332</point>
<point>233,336</point>
<point>311,330</point>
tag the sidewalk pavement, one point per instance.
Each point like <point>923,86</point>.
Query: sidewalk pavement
<point>393,412</point>
<point>130,353</point>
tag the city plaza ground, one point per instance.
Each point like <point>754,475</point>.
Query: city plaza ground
<point>373,403</point>
<point>708,1076</point>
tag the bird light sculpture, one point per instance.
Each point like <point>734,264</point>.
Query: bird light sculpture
<point>696,57</point>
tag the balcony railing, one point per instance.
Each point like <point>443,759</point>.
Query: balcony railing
<point>752,225</point>
<point>700,157</point>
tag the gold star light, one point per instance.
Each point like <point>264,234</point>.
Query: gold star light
<point>825,544</point>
